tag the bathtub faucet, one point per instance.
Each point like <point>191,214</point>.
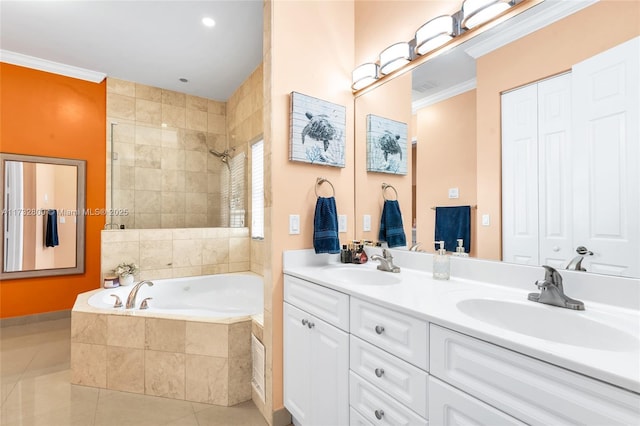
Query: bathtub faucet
<point>131,300</point>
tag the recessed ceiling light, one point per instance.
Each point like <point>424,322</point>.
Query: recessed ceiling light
<point>184,80</point>
<point>208,22</point>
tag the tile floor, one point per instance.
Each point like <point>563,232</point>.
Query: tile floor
<point>35,389</point>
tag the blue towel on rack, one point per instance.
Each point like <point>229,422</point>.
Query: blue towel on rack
<point>391,229</point>
<point>325,226</point>
<point>453,223</point>
<point>51,231</point>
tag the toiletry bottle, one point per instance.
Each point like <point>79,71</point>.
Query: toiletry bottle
<point>441,264</point>
<point>345,254</point>
<point>460,249</point>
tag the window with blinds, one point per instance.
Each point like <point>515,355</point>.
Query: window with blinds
<point>257,190</point>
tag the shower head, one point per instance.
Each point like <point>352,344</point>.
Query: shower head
<point>223,156</point>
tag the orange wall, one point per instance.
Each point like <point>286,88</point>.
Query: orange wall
<point>51,115</point>
<point>312,53</point>
<point>548,51</point>
<point>446,159</point>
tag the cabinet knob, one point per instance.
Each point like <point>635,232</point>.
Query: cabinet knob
<point>379,329</point>
<point>379,414</point>
<point>379,372</point>
<point>310,324</point>
<point>305,322</point>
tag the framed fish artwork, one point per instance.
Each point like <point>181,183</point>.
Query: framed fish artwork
<point>386,145</point>
<point>317,133</point>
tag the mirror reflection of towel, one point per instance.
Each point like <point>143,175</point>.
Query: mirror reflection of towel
<point>51,232</point>
<point>453,223</point>
<point>391,228</point>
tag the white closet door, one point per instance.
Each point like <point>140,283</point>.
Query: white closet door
<point>606,158</point>
<point>520,176</point>
<point>555,171</point>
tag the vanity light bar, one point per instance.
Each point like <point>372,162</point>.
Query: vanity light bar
<point>434,34</point>
<point>364,75</point>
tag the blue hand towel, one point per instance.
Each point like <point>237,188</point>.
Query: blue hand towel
<point>51,232</point>
<point>391,229</point>
<point>325,226</point>
<point>453,223</point>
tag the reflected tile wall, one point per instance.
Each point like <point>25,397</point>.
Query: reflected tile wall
<point>162,171</point>
<point>180,252</point>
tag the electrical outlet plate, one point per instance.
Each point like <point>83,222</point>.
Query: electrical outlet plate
<point>366,222</point>
<point>342,223</point>
<point>486,220</point>
<point>294,224</point>
<point>454,193</point>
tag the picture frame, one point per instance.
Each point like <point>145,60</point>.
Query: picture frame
<point>317,132</point>
<point>386,145</point>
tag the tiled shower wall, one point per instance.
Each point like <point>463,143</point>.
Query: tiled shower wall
<point>171,253</point>
<point>163,173</point>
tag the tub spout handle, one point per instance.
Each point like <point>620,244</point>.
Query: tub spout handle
<point>118,303</point>
<point>144,304</point>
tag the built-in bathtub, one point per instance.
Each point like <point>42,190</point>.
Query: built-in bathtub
<point>192,343</point>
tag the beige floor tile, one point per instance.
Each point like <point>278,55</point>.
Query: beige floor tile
<point>244,414</point>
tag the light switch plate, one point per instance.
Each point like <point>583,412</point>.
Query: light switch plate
<point>342,223</point>
<point>454,193</point>
<point>366,222</point>
<point>294,224</point>
<point>486,220</point>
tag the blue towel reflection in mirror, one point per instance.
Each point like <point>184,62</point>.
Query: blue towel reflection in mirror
<point>51,230</point>
<point>453,223</point>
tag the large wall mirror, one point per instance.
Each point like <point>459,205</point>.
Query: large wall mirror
<point>456,102</point>
<point>43,212</point>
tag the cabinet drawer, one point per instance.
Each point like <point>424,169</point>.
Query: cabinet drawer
<point>377,407</point>
<point>357,419</point>
<point>328,305</point>
<point>530,390</point>
<point>398,378</point>
<point>449,406</point>
<point>400,334</point>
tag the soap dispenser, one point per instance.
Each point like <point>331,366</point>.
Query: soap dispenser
<point>460,249</point>
<point>441,263</point>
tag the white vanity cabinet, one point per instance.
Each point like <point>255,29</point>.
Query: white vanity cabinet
<point>389,358</point>
<point>533,391</point>
<point>316,353</point>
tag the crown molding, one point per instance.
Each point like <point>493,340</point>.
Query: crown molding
<point>538,17</point>
<point>50,66</point>
<point>450,92</point>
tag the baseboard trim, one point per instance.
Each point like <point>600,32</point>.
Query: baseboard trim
<point>281,417</point>
<point>31,319</point>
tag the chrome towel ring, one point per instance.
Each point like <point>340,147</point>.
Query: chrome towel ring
<point>322,180</point>
<point>386,186</point>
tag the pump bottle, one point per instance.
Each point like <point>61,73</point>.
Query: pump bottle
<point>460,249</point>
<point>441,263</point>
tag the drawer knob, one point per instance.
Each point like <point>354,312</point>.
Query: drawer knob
<point>379,329</point>
<point>310,324</point>
<point>305,322</point>
<point>379,414</point>
<point>379,372</point>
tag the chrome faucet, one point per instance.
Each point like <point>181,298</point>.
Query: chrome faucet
<point>415,247</point>
<point>386,262</point>
<point>131,300</point>
<point>552,292</point>
<point>576,263</point>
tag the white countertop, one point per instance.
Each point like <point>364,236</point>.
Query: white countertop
<point>419,295</point>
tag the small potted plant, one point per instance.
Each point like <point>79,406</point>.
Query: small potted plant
<point>126,271</point>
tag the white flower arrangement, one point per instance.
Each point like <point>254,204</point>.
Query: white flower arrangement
<point>126,269</point>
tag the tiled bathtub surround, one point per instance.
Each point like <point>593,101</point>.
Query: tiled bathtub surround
<point>170,253</point>
<point>205,362</point>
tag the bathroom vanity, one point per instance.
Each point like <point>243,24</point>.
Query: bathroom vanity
<point>366,347</point>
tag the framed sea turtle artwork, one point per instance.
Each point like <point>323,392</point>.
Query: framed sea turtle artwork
<point>386,145</point>
<point>317,133</point>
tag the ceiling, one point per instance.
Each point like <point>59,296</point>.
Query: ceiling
<point>155,43</point>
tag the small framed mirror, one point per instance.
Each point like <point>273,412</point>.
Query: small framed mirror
<point>43,216</point>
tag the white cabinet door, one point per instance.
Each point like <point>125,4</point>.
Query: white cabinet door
<point>329,374</point>
<point>297,360</point>
<point>607,154</point>
<point>520,176</point>
<point>316,369</point>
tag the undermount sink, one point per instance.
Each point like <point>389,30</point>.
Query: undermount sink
<point>549,323</point>
<point>359,275</point>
